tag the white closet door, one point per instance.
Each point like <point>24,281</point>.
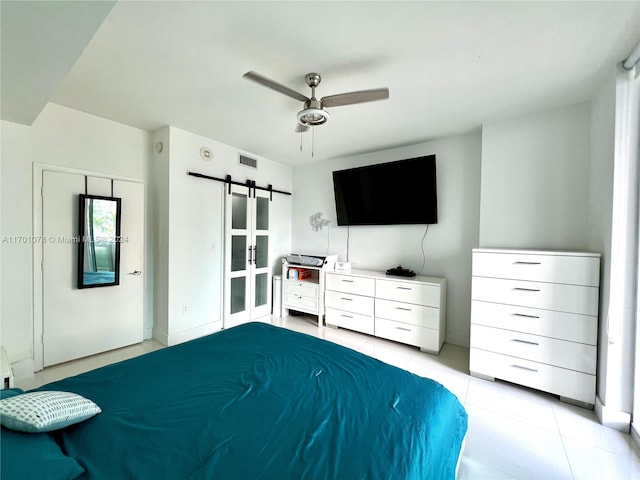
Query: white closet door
<point>238,250</point>
<point>247,259</point>
<point>80,322</point>
<point>261,277</point>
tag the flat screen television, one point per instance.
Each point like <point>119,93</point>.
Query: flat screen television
<point>394,193</point>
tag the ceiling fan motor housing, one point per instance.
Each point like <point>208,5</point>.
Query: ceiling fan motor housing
<point>313,113</point>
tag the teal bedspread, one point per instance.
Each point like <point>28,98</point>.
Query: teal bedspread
<point>262,402</point>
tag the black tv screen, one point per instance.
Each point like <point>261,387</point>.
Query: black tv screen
<point>394,193</point>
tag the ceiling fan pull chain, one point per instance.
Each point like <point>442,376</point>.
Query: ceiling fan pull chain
<point>313,140</point>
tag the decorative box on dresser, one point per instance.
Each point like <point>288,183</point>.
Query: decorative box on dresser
<point>408,310</point>
<point>534,319</point>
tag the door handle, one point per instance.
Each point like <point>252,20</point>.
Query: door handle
<point>136,272</point>
<point>250,254</point>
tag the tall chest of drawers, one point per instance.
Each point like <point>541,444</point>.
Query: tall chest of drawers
<point>534,319</point>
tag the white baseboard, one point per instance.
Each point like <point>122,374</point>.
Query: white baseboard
<point>636,437</point>
<point>456,339</point>
<point>612,418</point>
<point>160,336</point>
<point>185,335</point>
<point>148,333</point>
<point>23,371</point>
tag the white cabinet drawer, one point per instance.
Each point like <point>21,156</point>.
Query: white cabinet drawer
<point>548,296</point>
<point>350,284</point>
<point>419,294</point>
<point>573,270</point>
<point>425,338</point>
<point>349,302</point>
<point>302,289</point>
<point>560,381</point>
<point>303,303</point>
<point>350,320</point>
<point>550,351</point>
<point>549,323</point>
<point>408,313</point>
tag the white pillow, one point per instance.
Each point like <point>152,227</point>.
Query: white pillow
<point>45,411</point>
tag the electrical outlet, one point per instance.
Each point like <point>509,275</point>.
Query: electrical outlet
<point>185,309</point>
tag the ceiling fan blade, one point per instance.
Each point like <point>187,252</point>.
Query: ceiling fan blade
<point>301,128</point>
<point>264,81</point>
<point>360,96</point>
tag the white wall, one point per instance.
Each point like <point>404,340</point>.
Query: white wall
<point>66,138</point>
<point>535,180</point>
<point>191,228</point>
<point>448,243</point>
<point>16,327</point>
<point>71,139</point>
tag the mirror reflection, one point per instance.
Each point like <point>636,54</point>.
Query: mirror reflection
<point>99,245</point>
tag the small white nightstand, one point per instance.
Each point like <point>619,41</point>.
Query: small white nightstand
<point>5,370</point>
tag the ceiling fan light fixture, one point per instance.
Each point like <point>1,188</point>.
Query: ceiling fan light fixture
<point>313,116</point>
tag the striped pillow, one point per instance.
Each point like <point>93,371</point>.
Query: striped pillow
<point>45,411</point>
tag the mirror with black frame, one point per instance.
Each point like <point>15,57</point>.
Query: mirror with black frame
<point>99,245</point>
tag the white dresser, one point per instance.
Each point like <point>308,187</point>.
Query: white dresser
<point>534,319</point>
<point>403,309</point>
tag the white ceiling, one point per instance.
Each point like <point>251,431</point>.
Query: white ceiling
<point>450,66</point>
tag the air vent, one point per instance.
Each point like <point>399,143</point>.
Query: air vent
<point>249,162</point>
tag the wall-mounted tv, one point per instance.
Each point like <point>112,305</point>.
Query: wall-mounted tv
<point>393,193</point>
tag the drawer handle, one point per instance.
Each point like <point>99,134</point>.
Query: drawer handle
<point>523,315</point>
<point>348,281</point>
<point>524,341</point>
<point>403,309</point>
<point>522,289</point>
<point>527,263</point>
<point>347,299</point>
<point>403,329</point>
<point>404,288</point>
<point>525,368</point>
<point>346,316</point>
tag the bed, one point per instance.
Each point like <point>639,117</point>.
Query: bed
<point>252,402</point>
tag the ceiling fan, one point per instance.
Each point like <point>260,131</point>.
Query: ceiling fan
<point>314,111</point>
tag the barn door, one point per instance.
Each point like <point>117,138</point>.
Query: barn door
<point>247,259</point>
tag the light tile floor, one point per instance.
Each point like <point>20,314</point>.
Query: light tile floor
<point>514,432</point>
